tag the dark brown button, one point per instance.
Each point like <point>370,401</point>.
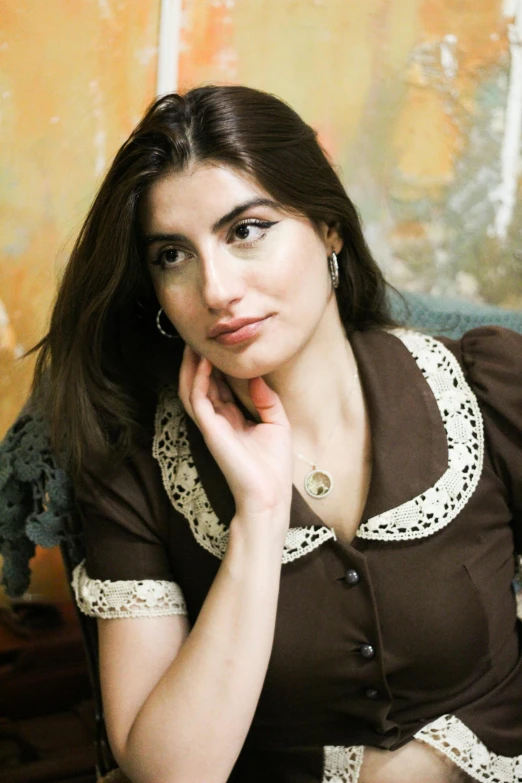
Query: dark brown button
<point>371,693</point>
<point>352,577</point>
<point>367,651</point>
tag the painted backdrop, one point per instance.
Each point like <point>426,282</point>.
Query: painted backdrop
<point>419,102</point>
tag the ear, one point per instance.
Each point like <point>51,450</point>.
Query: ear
<point>331,236</point>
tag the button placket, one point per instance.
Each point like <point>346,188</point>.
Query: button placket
<point>352,578</point>
<point>365,638</point>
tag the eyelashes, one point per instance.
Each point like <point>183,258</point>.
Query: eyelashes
<point>248,223</point>
<point>162,260</point>
<point>240,235</point>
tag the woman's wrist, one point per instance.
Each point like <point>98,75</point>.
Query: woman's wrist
<point>259,535</point>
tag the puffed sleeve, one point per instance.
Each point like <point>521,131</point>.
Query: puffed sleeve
<point>125,515</point>
<point>492,360</point>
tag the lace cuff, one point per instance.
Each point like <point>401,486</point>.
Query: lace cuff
<point>450,736</point>
<point>342,764</point>
<point>122,598</point>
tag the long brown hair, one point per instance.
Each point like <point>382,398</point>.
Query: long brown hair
<point>101,362</point>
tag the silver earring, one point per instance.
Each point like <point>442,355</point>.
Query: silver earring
<point>160,328</point>
<point>334,270</point>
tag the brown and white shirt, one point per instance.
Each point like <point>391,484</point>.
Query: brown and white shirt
<point>410,631</point>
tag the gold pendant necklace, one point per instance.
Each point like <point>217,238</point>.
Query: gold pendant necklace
<point>318,482</point>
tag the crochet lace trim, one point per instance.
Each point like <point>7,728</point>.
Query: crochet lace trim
<point>423,516</point>
<point>342,765</point>
<point>450,736</point>
<point>438,506</point>
<point>184,488</point>
<point>126,598</point>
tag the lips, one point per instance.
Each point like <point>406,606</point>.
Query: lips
<point>232,326</point>
<point>237,330</point>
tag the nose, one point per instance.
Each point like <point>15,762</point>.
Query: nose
<point>222,282</point>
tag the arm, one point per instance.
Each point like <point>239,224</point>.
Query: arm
<point>178,705</point>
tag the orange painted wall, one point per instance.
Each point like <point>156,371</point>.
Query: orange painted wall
<point>74,79</point>
<point>414,139</point>
<point>409,96</point>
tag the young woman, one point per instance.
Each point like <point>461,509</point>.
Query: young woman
<point>301,521</point>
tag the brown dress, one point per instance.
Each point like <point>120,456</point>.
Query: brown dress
<point>408,632</point>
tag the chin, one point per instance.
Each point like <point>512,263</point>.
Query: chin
<point>244,367</point>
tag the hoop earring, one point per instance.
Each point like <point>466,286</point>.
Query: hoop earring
<point>334,270</point>
<point>160,328</point>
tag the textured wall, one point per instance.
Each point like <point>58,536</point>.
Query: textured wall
<point>410,97</point>
<point>75,76</point>
<point>74,79</point>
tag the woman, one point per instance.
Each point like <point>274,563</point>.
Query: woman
<point>299,520</point>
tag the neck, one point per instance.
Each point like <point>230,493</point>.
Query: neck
<point>316,388</point>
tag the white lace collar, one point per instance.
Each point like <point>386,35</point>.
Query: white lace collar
<point>432,510</point>
<point>422,516</point>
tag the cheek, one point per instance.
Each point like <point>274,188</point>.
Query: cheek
<point>301,265</point>
<point>306,278</point>
<point>179,305</point>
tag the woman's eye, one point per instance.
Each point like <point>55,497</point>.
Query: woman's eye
<point>170,257</point>
<point>251,230</point>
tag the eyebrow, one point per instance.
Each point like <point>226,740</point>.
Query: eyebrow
<point>149,239</point>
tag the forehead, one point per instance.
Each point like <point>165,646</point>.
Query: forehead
<point>201,192</point>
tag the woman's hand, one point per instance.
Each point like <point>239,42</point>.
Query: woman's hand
<point>256,458</point>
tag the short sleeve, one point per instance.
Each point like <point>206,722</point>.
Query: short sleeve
<point>492,360</point>
<point>125,515</point>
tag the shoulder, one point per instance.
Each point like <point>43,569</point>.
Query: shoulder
<point>128,493</point>
<point>491,358</point>
<point>487,345</point>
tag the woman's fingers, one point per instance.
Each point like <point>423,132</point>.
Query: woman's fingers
<point>187,373</point>
<point>267,403</point>
<point>198,395</point>
<point>218,391</point>
<point>224,390</point>
<point>205,394</point>
<point>209,401</point>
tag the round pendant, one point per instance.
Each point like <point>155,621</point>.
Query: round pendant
<point>318,483</point>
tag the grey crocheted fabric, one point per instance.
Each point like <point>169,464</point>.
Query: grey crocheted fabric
<point>36,499</point>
